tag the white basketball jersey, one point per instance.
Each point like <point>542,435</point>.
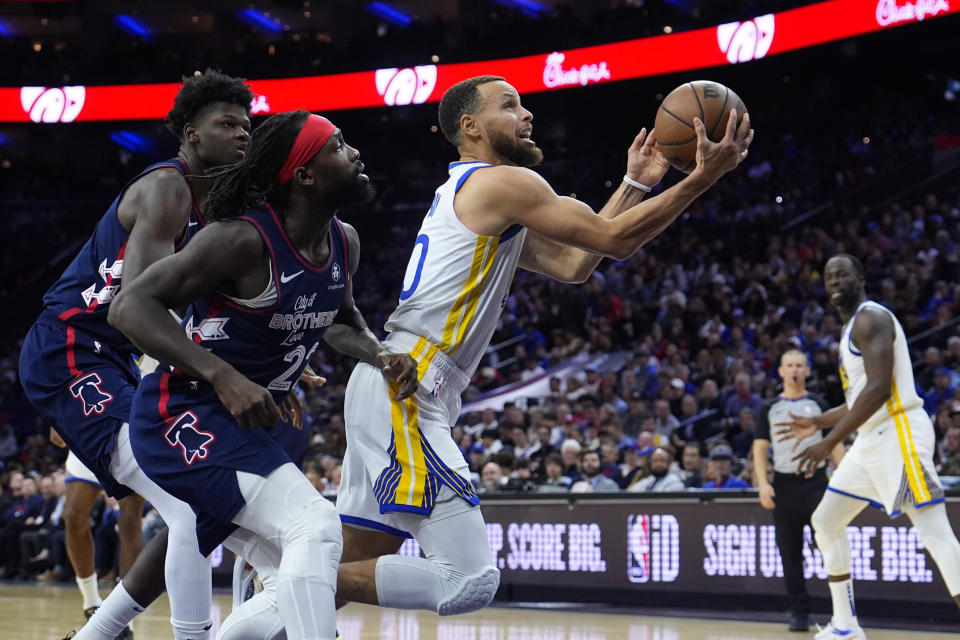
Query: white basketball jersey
<point>456,282</point>
<point>853,376</point>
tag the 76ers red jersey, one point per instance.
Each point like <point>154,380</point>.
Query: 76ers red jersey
<point>82,295</point>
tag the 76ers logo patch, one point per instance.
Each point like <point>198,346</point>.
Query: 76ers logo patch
<point>193,442</point>
<point>87,390</point>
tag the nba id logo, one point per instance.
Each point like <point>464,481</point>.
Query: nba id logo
<point>653,548</point>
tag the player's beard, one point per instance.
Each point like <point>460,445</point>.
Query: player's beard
<point>520,154</point>
<point>849,299</point>
<point>354,190</point>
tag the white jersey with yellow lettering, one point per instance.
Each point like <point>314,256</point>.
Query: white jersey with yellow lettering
<point>456,281</point>
<point>891,461</point>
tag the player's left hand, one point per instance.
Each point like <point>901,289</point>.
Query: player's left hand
<point>645,163</point>
<point>811,457</point>
<point>402,369</point>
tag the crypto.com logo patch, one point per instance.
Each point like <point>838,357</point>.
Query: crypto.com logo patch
<point>54,104</point>
<point>406,86</point>
<point>748,40</point>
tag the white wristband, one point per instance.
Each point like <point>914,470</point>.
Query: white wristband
<point>637,185</point>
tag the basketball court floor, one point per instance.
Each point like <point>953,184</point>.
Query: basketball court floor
<point>30,612</point>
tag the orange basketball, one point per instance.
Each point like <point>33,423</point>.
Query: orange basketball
<point>704,99</point>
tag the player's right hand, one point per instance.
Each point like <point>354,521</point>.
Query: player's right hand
<point>767,494</point>
<point>248,402</point>
<point>56,440</point>
<point>717,158</point>
<point>798,427</point>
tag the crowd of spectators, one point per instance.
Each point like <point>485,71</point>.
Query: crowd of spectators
<point>700,315</point>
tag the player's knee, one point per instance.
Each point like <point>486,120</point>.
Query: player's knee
<point>75,520</point>
<point>471,593</point>
<point>319,524</point>
<point>129,526</point>
<point>821,522</point>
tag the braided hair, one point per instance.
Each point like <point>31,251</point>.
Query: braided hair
<point>199,92</point>
<point>239,187</point>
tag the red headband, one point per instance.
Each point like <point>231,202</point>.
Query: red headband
<point>313,135</point>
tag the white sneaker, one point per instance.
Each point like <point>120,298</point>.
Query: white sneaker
<point>830,632</point>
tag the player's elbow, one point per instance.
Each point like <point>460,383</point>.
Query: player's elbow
<point>578,276</point>
<point>879,393</point>
<point>118,315</point>
<point>620,251</point>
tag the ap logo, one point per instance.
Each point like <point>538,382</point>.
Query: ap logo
<point>192,441</point>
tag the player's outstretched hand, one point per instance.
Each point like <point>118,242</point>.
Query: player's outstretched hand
<point>645,163</point>
<point>248,402</point>
<point>717,158</point>
<point>811,457</point>
<point>402,369</point>
<point>798,427</point>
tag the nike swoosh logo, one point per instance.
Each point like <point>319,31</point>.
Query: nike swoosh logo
<point>284,278</point>
<point>191,224</point>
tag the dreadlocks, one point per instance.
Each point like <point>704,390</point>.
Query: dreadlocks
<point>198,92</point>
<point>244,185</point>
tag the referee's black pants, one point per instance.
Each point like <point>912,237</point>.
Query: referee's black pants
<point>797,498</point>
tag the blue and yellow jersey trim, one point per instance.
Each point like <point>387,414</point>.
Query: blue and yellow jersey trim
<point>416,473</point>
<point>465,307</point>
<point>916,478</point>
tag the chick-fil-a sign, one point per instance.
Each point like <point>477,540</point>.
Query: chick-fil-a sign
<point>735,42</point>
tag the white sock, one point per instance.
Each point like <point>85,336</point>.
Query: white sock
<point>191,630</point>
<point>114,614</point>
<point>844,612</point>
<point>88,589</point>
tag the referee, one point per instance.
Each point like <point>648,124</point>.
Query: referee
<point>796,496</point>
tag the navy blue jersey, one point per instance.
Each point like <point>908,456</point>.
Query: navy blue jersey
<point>182,436</point>
<point>76,369</point>
<point>272,345</point>
<point>82,295</point>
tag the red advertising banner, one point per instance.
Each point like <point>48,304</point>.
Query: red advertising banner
<point>730,43</point>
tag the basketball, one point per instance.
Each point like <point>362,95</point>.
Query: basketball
<point>704,99</point>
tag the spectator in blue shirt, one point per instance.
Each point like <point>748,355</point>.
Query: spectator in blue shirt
<point>941,390</point>
<point>27,505</point>
<point>743,396</point>
<point>721,470</point>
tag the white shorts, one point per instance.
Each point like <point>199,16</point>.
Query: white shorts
<point>76,471</point>
<point>892,463</point>
<point>400,454</point>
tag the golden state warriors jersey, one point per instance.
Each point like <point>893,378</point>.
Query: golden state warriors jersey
<point>903,395</point>
<point>456,281</point>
